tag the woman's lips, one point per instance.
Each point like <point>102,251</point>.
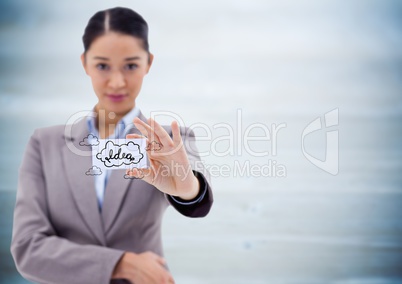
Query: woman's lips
<point>116,97</point>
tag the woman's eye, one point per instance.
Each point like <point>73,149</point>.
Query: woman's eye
<point>132,66</point>
<point>101,66</point>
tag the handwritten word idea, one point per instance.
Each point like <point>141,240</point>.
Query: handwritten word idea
<point>119,154</point>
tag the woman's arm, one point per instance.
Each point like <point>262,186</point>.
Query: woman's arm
<point>176,168</point>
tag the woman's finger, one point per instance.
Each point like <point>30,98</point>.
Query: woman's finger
<point>170,279</point>
<point>146,129</point>
<point>161,132</point>
<point>176,133</point>
<point>135,136</point>
<point>142,126</point>
<point>160,260</point>
<point>152,146</point>
<point>144,174</point>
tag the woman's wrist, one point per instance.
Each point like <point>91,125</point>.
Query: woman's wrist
<point>193,192</point>
<point>124,266</point>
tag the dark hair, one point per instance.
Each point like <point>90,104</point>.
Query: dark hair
<point>118,19</point>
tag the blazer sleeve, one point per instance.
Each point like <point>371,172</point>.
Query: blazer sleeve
<point>39,254</point>
<point>204,200</point>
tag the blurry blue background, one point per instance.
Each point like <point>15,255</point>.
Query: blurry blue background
<point>278,62</point>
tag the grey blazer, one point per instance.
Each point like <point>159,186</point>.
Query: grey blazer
<point>59,235</point>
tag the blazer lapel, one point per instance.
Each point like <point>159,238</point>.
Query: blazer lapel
<point>77,161</point>
<point>115,190</point>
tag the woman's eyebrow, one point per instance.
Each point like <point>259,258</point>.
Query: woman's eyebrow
<point>100,58</point>
<point>132,58</point>
<point>127,59</point>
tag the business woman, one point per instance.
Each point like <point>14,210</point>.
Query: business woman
<point>74,227</point>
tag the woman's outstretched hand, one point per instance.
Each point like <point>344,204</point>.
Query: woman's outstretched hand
<point>170,170</point>
<point>143,268</point>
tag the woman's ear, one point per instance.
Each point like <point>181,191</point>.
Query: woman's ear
<point>151,59</point>
<point>84,63</point>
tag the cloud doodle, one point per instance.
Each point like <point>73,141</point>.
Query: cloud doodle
<point>126,176</point>
<point>154,146</point>
<point>94,171</point>
<point>90,140</point>
<point>129,177</point>
<point>114,155</point>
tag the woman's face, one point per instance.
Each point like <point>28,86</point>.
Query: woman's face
<point>117,64</point>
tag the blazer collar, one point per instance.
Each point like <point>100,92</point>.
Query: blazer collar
<point>77,161</point>
<point>79,130</point>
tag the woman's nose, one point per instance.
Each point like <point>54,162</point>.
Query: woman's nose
<point>116,80</point>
